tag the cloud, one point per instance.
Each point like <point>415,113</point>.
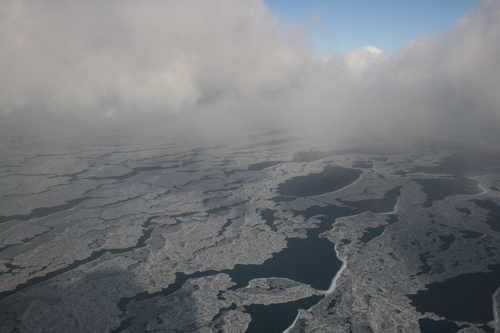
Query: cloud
<point>229,62</point>
<point>428,88</point>
<point>163,56</point>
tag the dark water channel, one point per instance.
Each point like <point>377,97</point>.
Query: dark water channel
<point>307,260</point>
<point>440,188</point>
<point>450,299</point>
<point>264,317</point>
<point>332,178</point>
<point>494,215</point>
<point>471,163</point>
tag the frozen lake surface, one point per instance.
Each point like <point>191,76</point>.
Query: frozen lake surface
<point>240,232</point>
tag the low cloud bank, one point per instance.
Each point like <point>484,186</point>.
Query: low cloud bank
<point>223,63</point>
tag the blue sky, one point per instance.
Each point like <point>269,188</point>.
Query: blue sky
<point>339,26</point>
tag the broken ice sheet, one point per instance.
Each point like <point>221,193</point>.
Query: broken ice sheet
<point>190,216</point>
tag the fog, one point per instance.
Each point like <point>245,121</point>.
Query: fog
<point>192,66</point>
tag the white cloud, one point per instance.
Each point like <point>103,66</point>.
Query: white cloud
<point>359,59</point>
<point>227,61</point>
<point>148,55</point>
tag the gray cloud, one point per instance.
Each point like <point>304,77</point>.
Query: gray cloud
<point>162,56</point>
<point>226,62</point>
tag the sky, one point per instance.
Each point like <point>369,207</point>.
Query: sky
<point>202,66</point>
<point>339,26</point>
